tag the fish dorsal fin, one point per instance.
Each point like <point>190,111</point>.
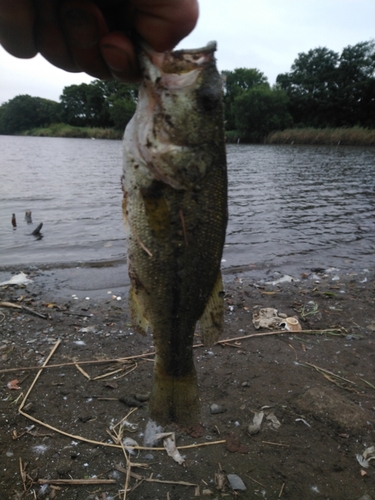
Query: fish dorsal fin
<point>212,320</point>
<point>139,320</point>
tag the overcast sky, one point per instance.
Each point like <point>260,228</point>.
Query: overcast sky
<point>262,34</point>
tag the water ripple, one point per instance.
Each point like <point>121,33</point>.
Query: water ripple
<point>300,206</point>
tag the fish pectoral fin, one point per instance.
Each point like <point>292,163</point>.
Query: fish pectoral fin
<point>212,320</point>
<point>139,320</point>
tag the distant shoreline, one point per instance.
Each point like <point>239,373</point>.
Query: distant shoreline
<point>354,136</point>
<point>63,130</point>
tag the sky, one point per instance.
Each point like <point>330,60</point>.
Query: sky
<point>264,34</point>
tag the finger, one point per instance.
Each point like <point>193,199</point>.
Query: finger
<point>165,23</point>
<point>118,52</point>
<point>84,26</point>
<point>17,28</point>
<point>50,39</point>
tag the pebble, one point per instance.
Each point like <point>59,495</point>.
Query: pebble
<point>130,401</point>
<point>215,409</point>
<point>143,397</point>
<point>236,482</point>
<point>365,497</point>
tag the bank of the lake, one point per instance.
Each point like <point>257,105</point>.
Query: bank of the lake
<point>64,130</point>
<point>354,136</point>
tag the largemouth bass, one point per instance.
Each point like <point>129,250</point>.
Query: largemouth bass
<point>175,203</point>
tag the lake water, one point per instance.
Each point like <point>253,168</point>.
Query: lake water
<point>291,207</point>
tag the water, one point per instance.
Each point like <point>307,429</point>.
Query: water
<point>291,207</point>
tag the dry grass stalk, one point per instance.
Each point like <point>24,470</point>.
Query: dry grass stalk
<point>118,430</point>
<point>24,308</point>
<point>281,490</point>
<point>85,374</point>
<point>77,481</point>
<point>255,481</point>
<point>162,481</point>
<point>152,353</point>
<point>323,371</point>
<point>74,363</point>
<point>276,444</point>
<point>23,474</point>
<point>38,374</point>
<point>368,383</point>
<point>105,375</point>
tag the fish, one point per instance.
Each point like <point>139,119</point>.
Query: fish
<point>175,208</point>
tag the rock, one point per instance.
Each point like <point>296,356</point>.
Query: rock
<point>329,405</point>
<point>365,497</point>
<point>143,397</point>
<point>236,482</point>
<point>215,409</point>
<point>130,401</point>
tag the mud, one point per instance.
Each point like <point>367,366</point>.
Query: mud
<point>318,383</point>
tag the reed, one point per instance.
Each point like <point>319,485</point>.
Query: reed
<point>354,136</point>
<point>63,130</point>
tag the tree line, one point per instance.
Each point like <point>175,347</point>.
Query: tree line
<point>106,104</point>
<point>322,89</point>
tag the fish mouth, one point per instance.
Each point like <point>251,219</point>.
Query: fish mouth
<point>171,66</point>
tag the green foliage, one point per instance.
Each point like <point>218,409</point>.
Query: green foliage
<point>64,130</point>
<point>260,110</point>
<point>121,111</point>
<point>323,89</point>
<point>328,89</point>
<point>354,136</point>
<point>98,104</point>
<point>235,83</point>
<point>24,112</point>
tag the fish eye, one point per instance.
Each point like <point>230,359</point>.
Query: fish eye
<point>208,98</point>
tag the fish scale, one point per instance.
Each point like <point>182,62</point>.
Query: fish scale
<point>175,202</point>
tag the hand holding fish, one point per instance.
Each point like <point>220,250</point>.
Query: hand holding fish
<point>94,36</point>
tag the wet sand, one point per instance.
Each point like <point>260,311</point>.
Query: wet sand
<point>317,384</point>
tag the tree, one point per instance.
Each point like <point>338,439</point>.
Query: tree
<point>25,112</point>
<point>356,81</point>
<point>328,89</point>
<point>236,82</point>
<point>311,86</point>
<point>98,104</point>
<point>81,105</point>
<point>121,112</point>
<point>261,110</point>
<point>122,104</point>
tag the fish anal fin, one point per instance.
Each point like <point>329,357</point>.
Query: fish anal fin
<point>212,320</point>
<point>139,320</point>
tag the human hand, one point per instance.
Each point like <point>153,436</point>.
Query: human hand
<point>94,36</point>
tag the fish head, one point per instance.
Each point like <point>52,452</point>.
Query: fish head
<point>179,113</point>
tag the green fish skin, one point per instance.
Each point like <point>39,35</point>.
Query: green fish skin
<point>175,206</point>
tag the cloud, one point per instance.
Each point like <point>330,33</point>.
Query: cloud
<point>263,34</point>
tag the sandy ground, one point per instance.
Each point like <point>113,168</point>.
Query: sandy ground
<point>316,389</point>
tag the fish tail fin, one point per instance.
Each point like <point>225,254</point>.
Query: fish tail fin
<point>139,320</point>
<point>212,320</point>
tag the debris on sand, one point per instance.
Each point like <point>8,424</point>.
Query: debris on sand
<point>18,279</point>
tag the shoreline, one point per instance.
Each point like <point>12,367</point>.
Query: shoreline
<point>100,279</point>
<point>315,384</point>
<point>352,136</point>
